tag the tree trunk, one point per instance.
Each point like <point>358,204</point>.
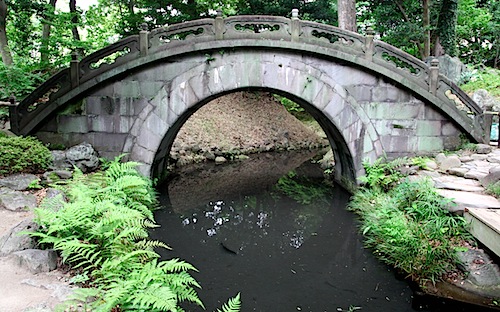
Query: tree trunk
<point>427,29</point>
<point>4,44</point>
<point>74,25</point>
<point>44,49</point>
<point>446,28</point>
<point>347,14</point>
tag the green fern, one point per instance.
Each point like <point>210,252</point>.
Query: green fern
<point>233,305</point>
<point>103,230</point>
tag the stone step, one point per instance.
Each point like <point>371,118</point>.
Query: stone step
<point>469,200</point>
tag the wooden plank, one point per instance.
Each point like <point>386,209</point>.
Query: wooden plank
<point>485,226</point>
<point>490,217</point>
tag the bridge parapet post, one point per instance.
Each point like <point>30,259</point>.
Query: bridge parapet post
<point>295,25</point>
<point>369,48</point>
<point>433,76</point>
<point>74,70</point>
<point>219,26</point>
<point>144,39</point>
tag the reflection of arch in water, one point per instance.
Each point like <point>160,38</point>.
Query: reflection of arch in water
<point>194,186</point>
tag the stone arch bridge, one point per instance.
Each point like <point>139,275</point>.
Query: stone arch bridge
<point>133,96</point>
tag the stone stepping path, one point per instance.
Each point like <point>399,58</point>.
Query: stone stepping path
<point>463,178</point>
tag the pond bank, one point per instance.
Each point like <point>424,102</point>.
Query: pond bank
<point>462,178</point>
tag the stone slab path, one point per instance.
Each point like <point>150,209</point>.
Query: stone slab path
<point>463,178</point>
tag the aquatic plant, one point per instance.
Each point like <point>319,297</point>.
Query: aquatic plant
<point>301,189</point>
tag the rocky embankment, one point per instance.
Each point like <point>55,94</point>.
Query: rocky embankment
<point>30,281</point>
<point>464,177</point>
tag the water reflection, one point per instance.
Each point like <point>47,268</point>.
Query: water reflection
<point>284,241</point>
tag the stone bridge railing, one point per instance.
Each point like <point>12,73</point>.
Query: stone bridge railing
<point>29,113</point>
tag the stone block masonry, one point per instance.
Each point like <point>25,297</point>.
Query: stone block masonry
<point>364,115</point>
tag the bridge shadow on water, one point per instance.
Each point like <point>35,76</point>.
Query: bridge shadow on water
<point>272,229</point>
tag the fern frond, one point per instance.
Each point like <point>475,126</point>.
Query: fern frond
<point>233,305</point>
<point>186,293</point>
<point>175,265</point>
<point>103,229</point>
<point>118,169</point>
<point>151,244</point>
<point>159,298</point>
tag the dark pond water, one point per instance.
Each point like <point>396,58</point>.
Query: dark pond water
<point>272,229</point>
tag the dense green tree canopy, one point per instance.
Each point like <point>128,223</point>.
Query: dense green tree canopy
<point>324,11</point>
<point>469,29</point>
<point>40,37</point>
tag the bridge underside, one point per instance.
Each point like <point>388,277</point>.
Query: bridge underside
<point>139,111</point>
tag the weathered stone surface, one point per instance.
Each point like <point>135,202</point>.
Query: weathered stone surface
<point>494,159</point>
<point>59,290</point>
<point>52,176</point>
<point>18,182</point>
<point>12,241</point>
<point>450,66</point>
<point>83,156</point>
<point>492,177</point>
<point>483,149</point>
<point>431,165</point>
<point>59,160</point>
<point>475,174</point>
<point>38,308</point>
<point>440,158</point>
<point>468,199</point>
<point>63,174</point>
<point>451,161</point>
<point>220,160</point>
<point>466,158</point>
<point>483,274</point>
<point>457,184</point>
<point>16,200</point>
<point>457,171</point>
<point>479,157</point>
<point>485,100</point>
<point>35,260</point>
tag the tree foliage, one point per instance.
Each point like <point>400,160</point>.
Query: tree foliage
<point>478,32</point>
<point>469,29</point>
<point>41,37</point>
<point>324,11</point>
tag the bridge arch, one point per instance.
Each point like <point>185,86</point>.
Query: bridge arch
<point>370,98</point>
<point>350,131</point>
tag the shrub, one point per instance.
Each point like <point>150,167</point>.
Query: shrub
<point>17,81</point>
<point>488,79</point>
<point>4,113</point>
<point>383,175</point>
<point>18,154</point>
